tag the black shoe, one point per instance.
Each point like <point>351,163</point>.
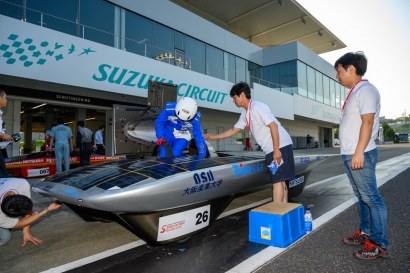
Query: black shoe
<point>356,238</point>
<point>371,251</point>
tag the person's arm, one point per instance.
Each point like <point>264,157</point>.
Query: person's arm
<point>71,143</point>
<point>26,221</point>
<point>364,138</point>
<point>274,131</point>
<point>51,143</point>
<point>160,123</point>
<point>6,137</point>
<point>95,139</point>
<point>199,138</point>
<point>225,134</point>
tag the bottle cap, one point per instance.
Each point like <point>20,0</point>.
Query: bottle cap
<point>307,208</point>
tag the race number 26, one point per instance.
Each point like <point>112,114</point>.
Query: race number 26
<point>202,217</point>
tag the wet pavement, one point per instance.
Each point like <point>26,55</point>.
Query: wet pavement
<point>67,240</point>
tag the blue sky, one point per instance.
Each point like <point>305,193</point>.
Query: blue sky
<point>379,28</point>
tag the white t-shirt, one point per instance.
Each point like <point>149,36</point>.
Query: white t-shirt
<point>19,186</point>
<point>261,116</point>
<point>364,99</point>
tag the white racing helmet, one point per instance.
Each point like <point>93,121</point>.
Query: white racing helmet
<point>186,109</point>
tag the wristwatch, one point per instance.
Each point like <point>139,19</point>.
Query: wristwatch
<point>47,210</point>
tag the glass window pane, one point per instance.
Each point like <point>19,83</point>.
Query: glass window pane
<point>98,26</point>
<point>266,75</point>
<point>238,138</point>
<point>195,54</point>
<point>10,10</point>
<point>337,95</point>
<point>326,89</point>
<point>302,82</point>
<point>139,34</point>
<point>332,94</point>
<point>214,62</point>
<point>275,76</point>
<point>311,82</point>
<point>240,69</point>
<point>179,40</point>
<point>319,86</point>
<point>288,77</point>
<point>163,41</point>
<point>66,10</point>
<point>229,65</point>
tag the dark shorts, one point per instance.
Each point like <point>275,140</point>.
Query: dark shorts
<point>287,170</point>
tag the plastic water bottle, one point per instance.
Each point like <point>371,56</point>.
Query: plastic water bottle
<point>308,220</point>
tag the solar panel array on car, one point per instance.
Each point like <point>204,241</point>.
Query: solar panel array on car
<point>127,172</point>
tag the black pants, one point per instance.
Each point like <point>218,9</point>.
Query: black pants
<point>85,153</point>
<point>3,170</point>
<point>100,149</point>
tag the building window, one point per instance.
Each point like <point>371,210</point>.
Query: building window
<point>214,62</point>
<point>302,82</point>
<point>229,65</point>
<point>311,82</point>
<point>337,95</point>
<point>288,77</point>
<point>326,85</point>
<point>240,65</point>
<point>319,86</point>
<point>163,41</point>
<point>12,11</point>
<point>195,54</point>
<point>238,138</point>
<point>64,10</point>
<point>98,26</point>
<point>139,33</point>
<point>333,93</point>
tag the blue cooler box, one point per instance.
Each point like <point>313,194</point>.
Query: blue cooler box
<point>277,224</point>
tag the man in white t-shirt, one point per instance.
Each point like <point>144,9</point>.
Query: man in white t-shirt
<point>268,133</point>
<point>15,202</point>
<point>357,134</point>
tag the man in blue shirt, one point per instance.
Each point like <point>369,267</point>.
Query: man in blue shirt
<point>62,136</point>
<point>98,140</point>
<point>174,124</point>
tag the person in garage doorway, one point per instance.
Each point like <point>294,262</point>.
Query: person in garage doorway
<point>63,138</point>
<point>174,124</point>
<point>84,143</point>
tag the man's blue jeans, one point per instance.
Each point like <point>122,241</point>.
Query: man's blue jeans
<point>5,235</point>
<point>373,211</point>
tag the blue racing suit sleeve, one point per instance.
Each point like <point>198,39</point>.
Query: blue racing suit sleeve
<point>199,137</point>
<point>160,123</point>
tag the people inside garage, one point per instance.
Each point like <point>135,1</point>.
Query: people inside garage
<point>84,143</point>
<point>174,126</point>
<point>17,210</point>
<point>61,141</point>
<point>47,137</point>
<point>4,136</point>
<point>269,134</point>
<point>98,140</point>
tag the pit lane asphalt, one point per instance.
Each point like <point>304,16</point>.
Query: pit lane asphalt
<point>66,238</point>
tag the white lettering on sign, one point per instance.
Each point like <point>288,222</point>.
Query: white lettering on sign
<point>38,172</point>
<point>182,223</point>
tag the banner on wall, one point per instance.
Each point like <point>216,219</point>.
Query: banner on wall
<point>38,53</point>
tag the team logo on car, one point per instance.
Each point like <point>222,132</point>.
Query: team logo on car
<point>240,170</point>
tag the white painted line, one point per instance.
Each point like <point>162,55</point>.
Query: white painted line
<point>330,179</point>
<point>259,203</point>
<point>93,258</point>
<point>264,256</point>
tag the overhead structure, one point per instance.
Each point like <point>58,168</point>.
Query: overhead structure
<point>266,23</point>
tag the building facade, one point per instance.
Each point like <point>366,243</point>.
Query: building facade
<point>74,59</point>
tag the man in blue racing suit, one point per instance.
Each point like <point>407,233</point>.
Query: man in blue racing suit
<point>174,124</point>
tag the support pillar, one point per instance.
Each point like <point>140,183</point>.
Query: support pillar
<point>28,137</point>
